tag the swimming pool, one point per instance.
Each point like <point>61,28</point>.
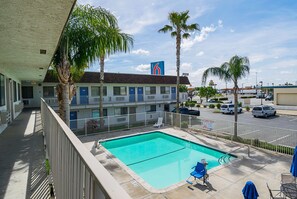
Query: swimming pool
<point>161,159</point>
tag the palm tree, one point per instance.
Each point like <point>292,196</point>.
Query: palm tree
<point>179,29</point>
<point>77,48</point>
<point>235,69</point>
<point>111,40</point>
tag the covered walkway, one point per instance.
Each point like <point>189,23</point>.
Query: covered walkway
<point>22,174</point>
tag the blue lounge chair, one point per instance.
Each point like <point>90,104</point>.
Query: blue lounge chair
<point>199,172</point>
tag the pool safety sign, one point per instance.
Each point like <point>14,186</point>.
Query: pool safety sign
<point>157,68</point>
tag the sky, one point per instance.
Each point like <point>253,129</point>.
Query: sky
<point>265,31</point>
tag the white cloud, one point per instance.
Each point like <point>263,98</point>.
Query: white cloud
<point>186,67</point>
<point>205,31</point>
<point>220,23</point>
<point>232,30</point>
<point>140,52</point>
<point>200,53</point>
<point>143,67</point>
<point>285,72</point>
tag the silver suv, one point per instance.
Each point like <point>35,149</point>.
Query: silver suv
<point>229,108</point>
<point>263,111</point>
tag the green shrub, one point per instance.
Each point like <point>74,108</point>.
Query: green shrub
<point>184,125</point>
<point>247,108</point>
<point>223,98</point>
<point>47,167</point>
<point>205,106</point>
<point>198,105</point>
<point>194,101</point>
<point>240,104</point>
<point>211,106</point>
<point>192,104</point>
<point>244,97</point>
<point>218,106</point>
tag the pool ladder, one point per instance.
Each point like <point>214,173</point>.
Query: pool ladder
<point>222,159</point>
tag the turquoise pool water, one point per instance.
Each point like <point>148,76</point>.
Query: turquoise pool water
<point>160,159</point>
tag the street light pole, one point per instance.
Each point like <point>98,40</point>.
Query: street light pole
<point>261,83</point>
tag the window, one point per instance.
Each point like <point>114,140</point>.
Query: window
<point>27,92</point>
<point>48,91</point>
<point>121,111</point>
<point>19,92</point>
<point>150,90</point>
<point>96,113</point>
<point>119,90</point>
<point>2,90</point>
<point>95,91</point>
<point>153,108</point>
<point>165,89</point>
<point>14,91</point>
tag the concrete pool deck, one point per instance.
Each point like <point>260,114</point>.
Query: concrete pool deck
<point>224,182</point>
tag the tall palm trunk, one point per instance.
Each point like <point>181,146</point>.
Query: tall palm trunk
<point>235,110</point>
<point>101,91</point>
<point>63,90</point>
<point>178,40</point>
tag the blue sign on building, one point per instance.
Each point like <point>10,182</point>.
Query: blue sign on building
<point>157,68</point>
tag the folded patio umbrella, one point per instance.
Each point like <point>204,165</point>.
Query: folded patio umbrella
<point>293,169</point>
<point>249,191</point>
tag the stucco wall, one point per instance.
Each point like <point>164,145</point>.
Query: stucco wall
<point>285,96</point>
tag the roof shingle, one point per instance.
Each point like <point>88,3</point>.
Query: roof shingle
<point>93,77</point>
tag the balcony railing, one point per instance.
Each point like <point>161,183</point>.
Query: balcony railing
<point>76,172</point>
<point>89,100</point>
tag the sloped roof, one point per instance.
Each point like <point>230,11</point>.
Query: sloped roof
<point>94,77</point>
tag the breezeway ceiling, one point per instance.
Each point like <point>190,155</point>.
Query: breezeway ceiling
<point>26,27</point>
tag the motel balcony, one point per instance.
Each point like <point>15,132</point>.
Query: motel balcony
<point>119,100</point>
<point>74,172</point>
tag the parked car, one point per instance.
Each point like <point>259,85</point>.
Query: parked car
<point>263,111</point>
<point>269,97</point>
<point>260,95</point>
<point>187,111</point>
<point>229,108</point>
<point>212,101</point>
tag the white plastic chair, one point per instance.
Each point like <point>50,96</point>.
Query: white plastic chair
<point>159,122</point>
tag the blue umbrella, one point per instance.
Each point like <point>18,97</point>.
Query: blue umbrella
<point>249,191</point>
<point>293,169</point>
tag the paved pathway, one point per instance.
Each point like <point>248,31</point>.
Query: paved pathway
<point>21,157</point>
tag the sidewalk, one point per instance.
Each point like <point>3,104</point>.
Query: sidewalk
<point>21,157</point>
<point>287,112</point>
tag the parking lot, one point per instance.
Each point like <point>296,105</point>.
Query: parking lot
<point>279,129</point>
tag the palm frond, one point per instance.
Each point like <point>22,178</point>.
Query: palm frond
<point>166,28</point>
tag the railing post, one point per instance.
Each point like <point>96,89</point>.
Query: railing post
<point>129,120</point>
<point>190,117</point>
<point>108,125</point>
<point>180,120</point>
<point>86,127</point>
<point>164,117</point>
<point>144,118</point>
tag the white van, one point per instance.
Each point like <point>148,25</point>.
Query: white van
<point>229,108</point>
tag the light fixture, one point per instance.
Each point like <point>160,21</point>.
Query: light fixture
<point>42,51</point>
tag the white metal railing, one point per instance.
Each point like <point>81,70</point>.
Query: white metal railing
<point>76,172</point>
<point>140,98</point>
<point>271,138</point>
<point>88,126</point>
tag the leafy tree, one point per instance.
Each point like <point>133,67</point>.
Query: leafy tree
<point>235,69</point>
<point>183,88</point>
<point>78,47</point>
<point>179,29</point>
<point>207,92</point>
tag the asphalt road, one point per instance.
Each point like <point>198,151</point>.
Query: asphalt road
<point>279,129</point>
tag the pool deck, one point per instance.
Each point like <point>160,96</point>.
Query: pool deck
<point>226,181</point>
